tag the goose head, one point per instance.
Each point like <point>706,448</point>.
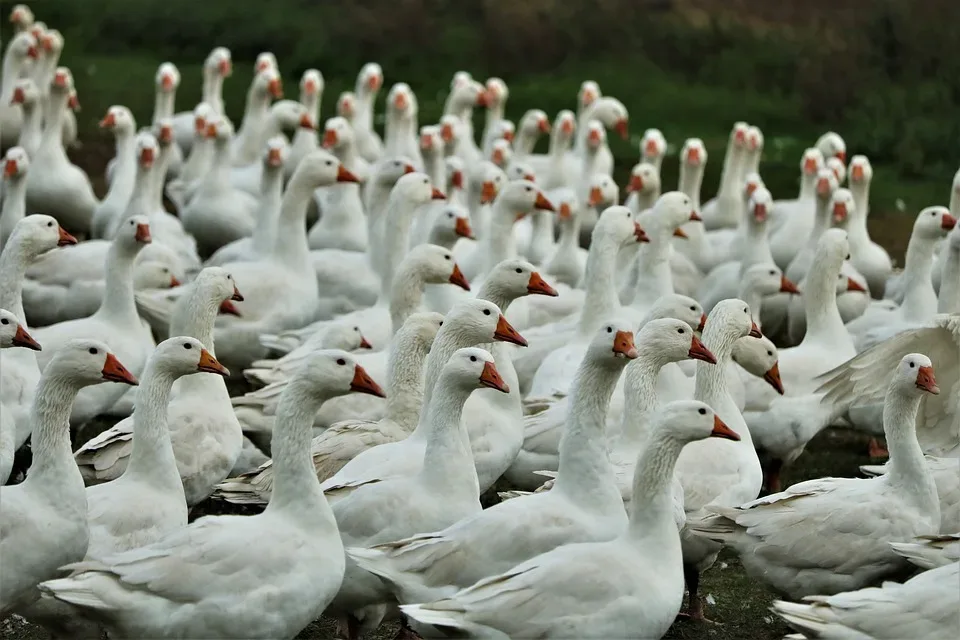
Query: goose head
<point>685,421</point>
<point>21,17</point>
<point>119,120</point>
<point>588,94</point>
<point>13,334</point>
<point>596,135</point>
<point>203,114</point>
<point>23,46</point>
<point>219,63</point>
<point>133,234</point>
<point>436,265</point>
<point>147,149</point>
<point>915,376</point>
<point>934,223</point>
<point>501,153</point>
<point>345,336</point>
<point>480,321</point>
<point>320,169</point>
<point>674,340</point>
<point>15,164</point>
<point>265,60</point>
<point>861,172</point>
<point>515,278</point>
<point>767,279</point>
<point>653,145</point>
<point>842,206</point>
<point>474,368</point>
<point>416,189</point>
<point>520,197</point>
<point>431,141</point>
<point>369,80</point>
<point>496,93</point>
<point>613,344</point>
<point>535,123</point>
<point>693,154</point>
<point>678,307</point>
<point>83,362</point>
<point>564,127</point>
<point>731,320</point>
<point>182,356</point>
<point>451,223</point>
<point>759,357</point>
<point>267,84</point>
<point>812,162</point>
<point>40,233</point>
<point>401,101</point>
<point>311,86</point>
<point>455,171</point>
<point>759,205</point>
<point>450,129</point>
<point>151,274</point>
<point>337,134</point>
<point>347,105</point>
<point>519,170</point>
<point>388,170</point>
<point>167,78</point>
<point>831,145</point>
<point>619,223</point>
<point>25,93</point>
<point>275,152</point>
<point>838,168</point>
<point>334,372</point>
<point>489,180</point>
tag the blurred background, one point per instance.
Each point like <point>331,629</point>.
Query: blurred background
<point>885,74</point>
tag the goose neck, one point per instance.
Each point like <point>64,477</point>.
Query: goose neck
<point>585,469</point>
<point>14,207</point>
<point>908,467</point>
<point>651,508</point>
<point>601,299</point>
<point>152,454</point>
<point>448,459</point>
<point>405,381</point>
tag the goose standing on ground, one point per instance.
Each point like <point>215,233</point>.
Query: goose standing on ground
<point>44,521</point>
<point>203,428</point>
<point>216,68</point>
<point>116,322</point>
<point>19,372</point>
<point>831,535</point>
<point>55,186</point>
<point>12,334</point>
<point>303,564</point>
<point>595,589</point>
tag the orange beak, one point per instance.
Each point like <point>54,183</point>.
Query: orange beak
<point>542,204</point>
<point>143,233</point>
<point>491,378</point>
<point>363,383</point>
<point>635,184</point>
<point>329,139</point>
<point>788,287</point>
<point>275,87</point>
<point>927,381</point>
<point>462,228</point>
<point>488,192</point>
<point>506,333</point>
<point>209,364</point>
<point>623,128</point>
<point>754,331</point>
<point>772,377</point>
<point>65,238</point>
<point>457,278</point>
<point>345,176</point>
<point>10,168</point>
<point>436,194</point>
<point>457,179</point>
<point>623,345</point>
<point>108,121</point>
<point>596,196</point>
<point>113,371</point>
<point>699,351</point>
<point>639,233</point>
<point>23,339</point>
<point>721,430</point>
<point>537,285</point>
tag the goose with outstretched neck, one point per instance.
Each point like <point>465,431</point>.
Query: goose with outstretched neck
<point>56,186</point>
<point>216,68</point>
<point>12,334</point>
<point>801,541</point>
<point>647,550</point>
<point>44,518</point>
<point>304,569</point>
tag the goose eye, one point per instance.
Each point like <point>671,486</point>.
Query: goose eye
<point>187,345</point>
<point>519,270</point>
<point>50,224</point>
<point>341,361</point>
<point>702,411</point>
<point>679,330</point>
<point>93,351</point>
<point>473,358</point>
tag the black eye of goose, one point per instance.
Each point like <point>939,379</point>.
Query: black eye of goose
<point>486,312</point>
<point>341,361</point>
<point>187,345</point>
<point>93,351</point>
<point>702,411</point>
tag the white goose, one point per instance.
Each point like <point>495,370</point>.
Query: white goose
<point>595,589</point>
<point>204,431</point>
<point>12,334</point>
<point>44,521</point>
<point>304,568</point>
<point>831,535</point>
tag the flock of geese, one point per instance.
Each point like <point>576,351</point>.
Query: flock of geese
<point>430,317</point>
